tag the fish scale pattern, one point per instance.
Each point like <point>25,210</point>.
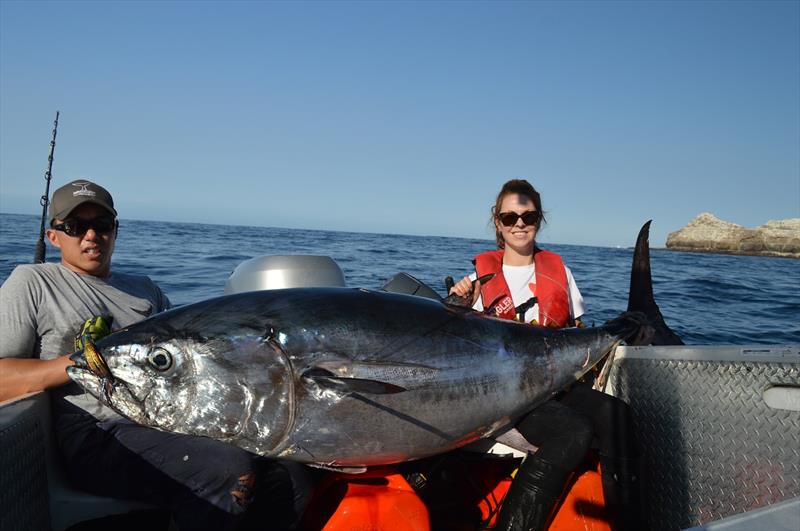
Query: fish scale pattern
<point>23,477</point>
<point>711,446</point>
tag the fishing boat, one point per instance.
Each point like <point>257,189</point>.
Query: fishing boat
<point>717,429</point>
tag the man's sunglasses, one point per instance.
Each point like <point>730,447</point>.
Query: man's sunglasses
<point>78,226</point>
<point>509,219</point>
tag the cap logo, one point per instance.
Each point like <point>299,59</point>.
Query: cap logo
<point>83,190</point>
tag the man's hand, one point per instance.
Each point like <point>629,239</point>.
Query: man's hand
<point>93,329</point>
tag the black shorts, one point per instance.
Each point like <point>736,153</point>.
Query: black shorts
<point>204,483</point>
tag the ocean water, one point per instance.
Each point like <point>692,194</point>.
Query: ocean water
<point>706,298</point>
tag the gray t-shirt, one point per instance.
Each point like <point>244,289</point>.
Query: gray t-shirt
<point>43,306</point>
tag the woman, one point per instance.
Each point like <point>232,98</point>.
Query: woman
<point>530,284</point>
<point>534,286</point>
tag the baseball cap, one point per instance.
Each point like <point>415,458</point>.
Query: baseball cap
<point>71,195</point>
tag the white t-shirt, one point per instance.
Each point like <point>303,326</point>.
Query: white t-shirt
<point>521,282</point>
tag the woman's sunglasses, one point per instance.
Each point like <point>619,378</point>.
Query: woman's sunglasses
<point>509,219</point>
<point>78,227</point>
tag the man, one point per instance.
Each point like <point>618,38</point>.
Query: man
<point>44,305</point>
<point>206,484</point>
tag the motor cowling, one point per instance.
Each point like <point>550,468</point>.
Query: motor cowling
<point>280,272</point>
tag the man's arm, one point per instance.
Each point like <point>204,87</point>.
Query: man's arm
<point>20,373</point>
<point>20,376</point>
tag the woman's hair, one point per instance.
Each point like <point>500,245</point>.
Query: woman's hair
<point>521,187</point>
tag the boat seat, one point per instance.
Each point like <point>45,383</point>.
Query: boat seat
<point>34,491</point>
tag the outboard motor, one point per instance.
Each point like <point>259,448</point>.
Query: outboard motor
<point>279,272</point>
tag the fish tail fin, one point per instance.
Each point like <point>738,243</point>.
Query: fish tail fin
<point>641,299</point>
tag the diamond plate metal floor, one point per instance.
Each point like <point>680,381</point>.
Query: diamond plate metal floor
<point>711,444</point>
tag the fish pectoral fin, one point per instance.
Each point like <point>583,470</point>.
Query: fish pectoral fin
<point>402,375</point>
<point>326,378</point>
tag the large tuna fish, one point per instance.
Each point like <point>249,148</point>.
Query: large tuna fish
<point>336,377</point>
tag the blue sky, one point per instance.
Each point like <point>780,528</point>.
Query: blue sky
<point>407,117</point>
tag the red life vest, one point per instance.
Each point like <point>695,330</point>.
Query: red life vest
<point>552,291</point>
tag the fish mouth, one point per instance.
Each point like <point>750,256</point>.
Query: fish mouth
<point>90,360</point>
<point>78,360</point>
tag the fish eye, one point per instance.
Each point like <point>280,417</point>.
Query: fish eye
<point>160,359</point>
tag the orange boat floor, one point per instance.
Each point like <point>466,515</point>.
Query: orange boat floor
<point>468,498</point>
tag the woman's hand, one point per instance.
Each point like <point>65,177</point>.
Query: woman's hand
<point>467,288</point>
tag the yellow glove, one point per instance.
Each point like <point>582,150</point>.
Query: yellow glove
<point>93,329</point>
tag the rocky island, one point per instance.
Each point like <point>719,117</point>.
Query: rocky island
<point>709,234</point>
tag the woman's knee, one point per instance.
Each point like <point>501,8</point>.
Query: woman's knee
<point>562,434</point>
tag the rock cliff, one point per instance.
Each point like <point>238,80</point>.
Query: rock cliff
<point>707,233</point>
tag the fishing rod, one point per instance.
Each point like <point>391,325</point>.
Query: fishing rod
<point>38,257</point>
